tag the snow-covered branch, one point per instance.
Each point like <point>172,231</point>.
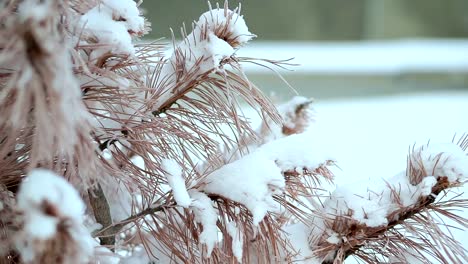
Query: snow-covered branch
<point>109,28</point>
<point>362,216</point>
<point>52,214</point>
<point>214,39</point>
<point>36,100</point>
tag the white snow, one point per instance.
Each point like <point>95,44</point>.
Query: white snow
<point>372,136</point>
<point>237,240</point>
<point>288,110</point>
<point>126,11</point>
<point>43,186</point>
<point>138,161</point>
<point>205,214</point>
<point>371,202</point>
<point>303,150</point>
<point>210,51</point>
<point>251,181</point>
<point>298,234</point>
<point>40,226</point>
<point>442,160</point>
<point>45,200</point>
<point>34,9</point>
<point>271,130</point>
<point>113,23</point>
<point>364,57</point>
<point>177,182</point>
<point>234,23</point>
<point>204,48</point>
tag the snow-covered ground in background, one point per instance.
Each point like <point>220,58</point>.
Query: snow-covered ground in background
<point>370,138</point>
<point>364,57</point>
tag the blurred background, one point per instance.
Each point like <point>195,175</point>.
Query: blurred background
<point>345,48</point>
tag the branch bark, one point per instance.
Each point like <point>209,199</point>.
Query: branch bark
<point>351,247</point>
<point>102,214</point>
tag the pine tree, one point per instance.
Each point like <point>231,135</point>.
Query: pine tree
<point>116,152</point>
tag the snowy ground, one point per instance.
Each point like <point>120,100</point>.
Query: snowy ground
<point>362,68</point>
<point>371,136</point>
<point>364,57</point>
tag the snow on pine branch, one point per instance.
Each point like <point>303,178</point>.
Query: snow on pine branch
<point>227,209</point>
<point>205,214</point>
<point>237,240</point>
<point>40,89</point>
<point>281,160</point>
<point>255,178</point>
<point>296,114</point>
<point>441,160</point>
<point>361,211</point>
<point>251,181</point>
<point>53,214</point>
<point>214,39</point>
<point>177,182</point>
<point>110,26</point>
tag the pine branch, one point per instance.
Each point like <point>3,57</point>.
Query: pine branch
<point>401,216</point>
<point>114,229</point>
<point>347,232</point>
